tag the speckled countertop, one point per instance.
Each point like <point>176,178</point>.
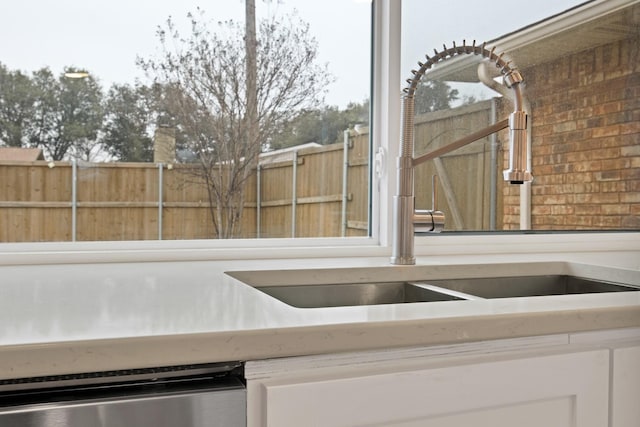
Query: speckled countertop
<point>71,318</point>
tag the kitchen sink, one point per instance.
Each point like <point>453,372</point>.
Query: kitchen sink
<point>315,288</point>
<point>351,294</point>
<point>348,294</point>
<point>510,287</point>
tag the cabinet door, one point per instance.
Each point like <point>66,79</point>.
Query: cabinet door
<point>549,390</point>
<point>625,399</point>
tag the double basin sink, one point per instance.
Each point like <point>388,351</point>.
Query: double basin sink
<point>336,288</point>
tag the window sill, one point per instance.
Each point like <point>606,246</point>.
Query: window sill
<point>526,242</point>
<point>448,244</point>
<point>185,250</point>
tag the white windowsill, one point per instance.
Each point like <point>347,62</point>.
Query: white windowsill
<point>252,249</point>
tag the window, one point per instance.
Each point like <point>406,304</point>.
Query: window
<point>584,143</point>
<point>580,62</point>
<point>133,120</point>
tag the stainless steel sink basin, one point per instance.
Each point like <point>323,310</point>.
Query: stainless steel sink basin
<point>349,294</point>
<point>335,287</point>
<point>510,287</point>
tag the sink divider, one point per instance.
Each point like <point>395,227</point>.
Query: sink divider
<point>445,291</point>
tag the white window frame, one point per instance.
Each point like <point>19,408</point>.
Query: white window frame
<point>169,250</point>
<point>385,119</point>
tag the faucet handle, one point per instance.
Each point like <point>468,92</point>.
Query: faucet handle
<point>431,220</point>
<point>428,221</point>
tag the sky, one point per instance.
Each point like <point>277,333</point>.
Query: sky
<point>428,24</point>
<point>105,37</point>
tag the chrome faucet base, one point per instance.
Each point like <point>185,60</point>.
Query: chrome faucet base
<point>403,260</point>
<point>403,209</point>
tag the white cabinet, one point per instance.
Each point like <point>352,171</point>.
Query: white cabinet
<point>527,389</point>
<point>625,386</point>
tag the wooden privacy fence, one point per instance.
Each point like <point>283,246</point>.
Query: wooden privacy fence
<point>469,179</point>
<point>317,192</point>
<point>312,192</point>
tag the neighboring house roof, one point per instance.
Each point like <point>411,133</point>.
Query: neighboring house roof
<point>589,24</point>
<point>285,154</point>
<point>21,154</point>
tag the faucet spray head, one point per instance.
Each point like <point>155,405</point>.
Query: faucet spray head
<point>517,172</point>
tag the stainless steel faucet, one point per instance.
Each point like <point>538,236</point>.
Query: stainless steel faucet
<point>406,219</point>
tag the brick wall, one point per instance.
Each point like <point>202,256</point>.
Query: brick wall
<point>586,141</point>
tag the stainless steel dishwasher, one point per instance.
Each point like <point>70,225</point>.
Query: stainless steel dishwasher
<point>211,395</point>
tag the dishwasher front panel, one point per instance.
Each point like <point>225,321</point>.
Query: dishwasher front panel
<point>223,405</point>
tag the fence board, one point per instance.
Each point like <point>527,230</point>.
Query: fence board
<point>467,168</point>
<point>119,201</point>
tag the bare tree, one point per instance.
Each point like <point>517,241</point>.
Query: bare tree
<point>208,95</point>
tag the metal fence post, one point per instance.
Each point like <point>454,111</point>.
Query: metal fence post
<point>74,199</point>
<point>345,175</point>
<point>294,199</point>
<point>258,200</point>
<point>160,197</point>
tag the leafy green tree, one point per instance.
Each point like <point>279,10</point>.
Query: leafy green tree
<point>357,113</point>
<point>67,115</point>
<point>434,95</point>
<point>16,106</point>
<point>128,117</point>
<point>322,126</point>
<point>310,126</point>
<point>44,127</point>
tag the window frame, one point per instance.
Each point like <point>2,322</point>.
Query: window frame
<point>385,132</point>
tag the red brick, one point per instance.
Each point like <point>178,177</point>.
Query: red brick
<point>620,163</point>
<point>618,209</point>
<point>562,210</point>
<point>549,179</point>
<point>586,140</point>
<point>541,210</point>
<point>582,177</point>
<point>537,131</point>
<point>607,222</point>
<point>509,198</point>
<point>596,198</point>
<point>583,221</point>
<point>556,199</point>
<point>614,187</point>
<point>581,188</point>
<point>607,131</point>
<point>631,128</point>
<point>631,222</point>
<point>622,117</point>
<point>588,166</point>
<point>611,175</point>
<point>512,219</point>
<point>587,209</point>
<point>603,198</point>
<point>538,150</point>
<point>630,198</point>
<point>631,174</point>
<point>633,185</point>
<point>629,151</point>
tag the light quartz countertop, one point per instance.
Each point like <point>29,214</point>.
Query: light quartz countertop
<point>72,318</point>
